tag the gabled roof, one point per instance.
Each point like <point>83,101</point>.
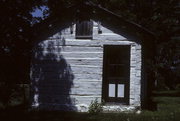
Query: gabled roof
<point>89,10</point>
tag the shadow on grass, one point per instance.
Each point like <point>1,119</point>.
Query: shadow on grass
<point>173,93</point>
<point>72,116</point>
<point>168,110</point>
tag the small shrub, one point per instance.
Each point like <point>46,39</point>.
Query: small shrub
<point>95,107</point>
<point>178,87</point>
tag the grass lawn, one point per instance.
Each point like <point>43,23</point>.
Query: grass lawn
<point>168,110</point>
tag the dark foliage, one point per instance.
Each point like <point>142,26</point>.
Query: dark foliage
<point>15,44</point>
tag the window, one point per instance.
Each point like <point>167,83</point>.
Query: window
<point>84,29</point>
<point>116,73</point>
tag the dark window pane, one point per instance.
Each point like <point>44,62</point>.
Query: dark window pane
<point>117,70</point>
<point>84,30</point>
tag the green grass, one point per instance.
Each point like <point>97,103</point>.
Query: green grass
<point>168,109</point>
<point>168,93</point>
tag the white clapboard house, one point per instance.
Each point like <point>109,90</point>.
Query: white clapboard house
<point>88,53</point>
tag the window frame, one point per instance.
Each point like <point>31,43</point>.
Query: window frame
<point>121,80</point>
<point>84,29</point>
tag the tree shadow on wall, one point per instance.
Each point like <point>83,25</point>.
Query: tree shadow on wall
<point>52,79</point>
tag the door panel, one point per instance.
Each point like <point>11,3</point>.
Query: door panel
<point>112,90</point>
<point>120,90</point>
